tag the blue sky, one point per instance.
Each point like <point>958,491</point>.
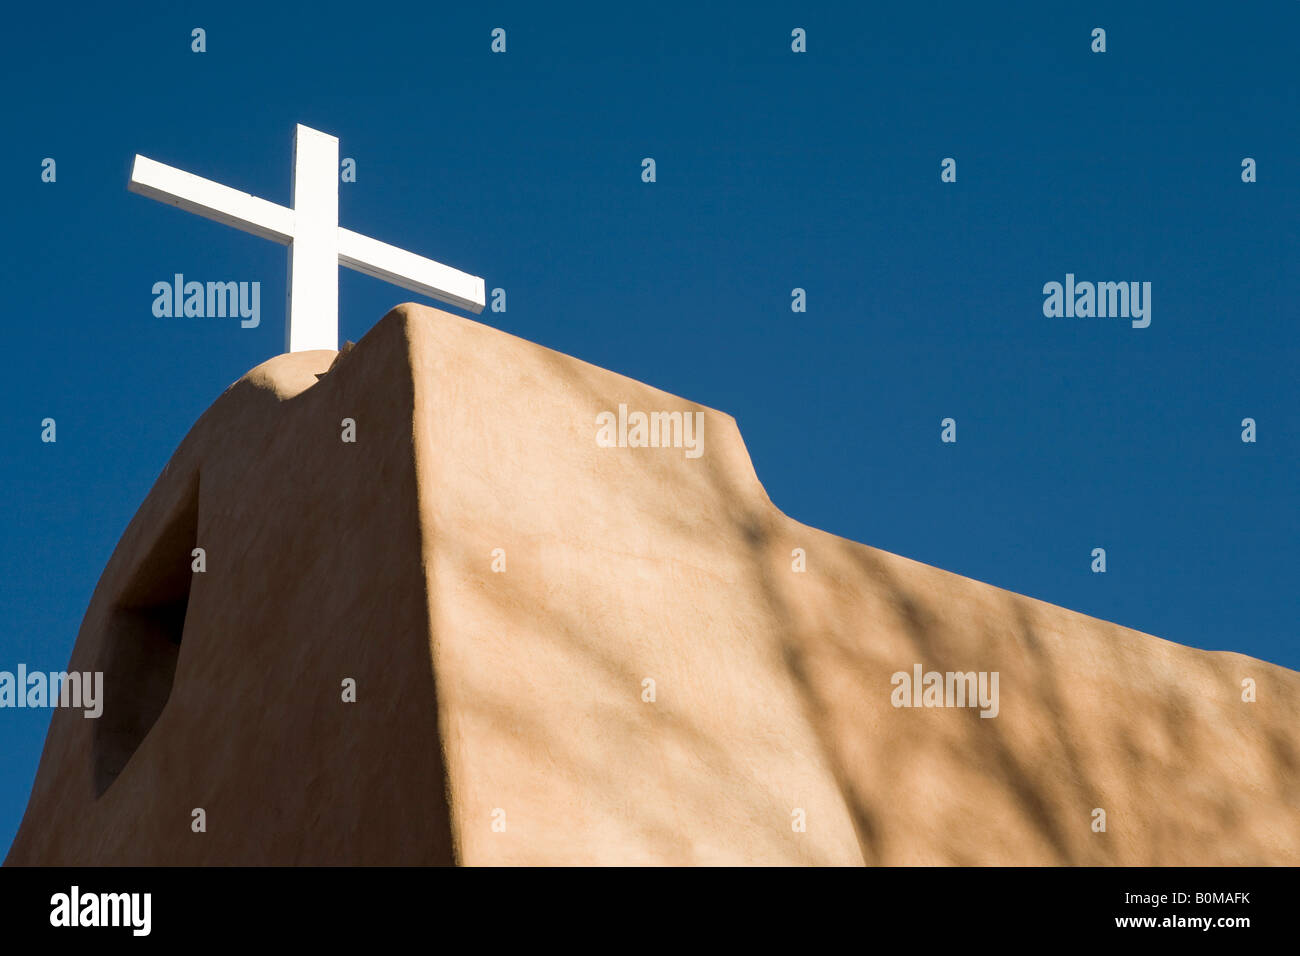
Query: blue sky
<point>774,171</point>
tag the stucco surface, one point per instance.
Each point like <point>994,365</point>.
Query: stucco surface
<point>501,715</point>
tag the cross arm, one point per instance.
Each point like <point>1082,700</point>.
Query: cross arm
<point>409,271</point>
<point>211,200</point>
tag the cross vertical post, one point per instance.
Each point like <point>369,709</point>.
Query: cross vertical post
<point>312,291</point>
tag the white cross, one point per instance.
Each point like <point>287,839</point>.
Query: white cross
<point>317,245</point>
